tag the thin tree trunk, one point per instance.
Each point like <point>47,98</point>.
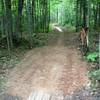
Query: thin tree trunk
<point>96,16</point>
<point>19,17</point>
<point>2,18</point>
<point>84,13</point>
<point>34,14</point>
<point>9,21</point>
<point>77,17</point>
<point>29,17</point>
<point>99,14</point>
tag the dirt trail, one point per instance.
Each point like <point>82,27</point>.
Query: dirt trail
<point>50,68</point>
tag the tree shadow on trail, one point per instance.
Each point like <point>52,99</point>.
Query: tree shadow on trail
<point>84,94</point>
<point>9,97</point>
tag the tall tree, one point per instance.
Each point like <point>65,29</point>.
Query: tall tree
<point>77,15</point>
<point>8,25</point>
<point>2,18</point>
<point>29,20</point>
<point>19,17</point>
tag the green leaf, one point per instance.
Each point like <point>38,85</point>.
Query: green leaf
<point>92,56</point>
<point>95,74</point>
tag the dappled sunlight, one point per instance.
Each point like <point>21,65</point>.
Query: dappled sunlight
<point>58,28</point>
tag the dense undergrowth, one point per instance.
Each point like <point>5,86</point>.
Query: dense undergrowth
<point>20,47</point>
<point>93,58</point>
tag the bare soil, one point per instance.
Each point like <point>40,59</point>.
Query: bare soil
<point>52,68</point>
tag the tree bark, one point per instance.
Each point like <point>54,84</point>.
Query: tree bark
<point>29,21</point>
<point>19,17</point>
<point>9,21</point>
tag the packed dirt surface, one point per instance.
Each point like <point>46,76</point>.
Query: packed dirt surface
<point>56,67</point>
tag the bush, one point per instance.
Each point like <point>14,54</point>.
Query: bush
<point>95,79</point>
<point>95,74</point>
<point>93,56</point>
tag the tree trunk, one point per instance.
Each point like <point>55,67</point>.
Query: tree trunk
<point>77,17</point>
<point>99,14</point>
<point>19,16</point>
<point>96,16</point>
<point>34,14</point>
<point>84,12</point>
<point>2,18</point>
<point>29,17</point>
<point>8,19</point>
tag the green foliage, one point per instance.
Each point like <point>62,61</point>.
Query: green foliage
<point>92,56</point>
<point>95,78</point>
<point>7,61</point>
<point>50,28</point>
<point>40,39</point>
<point>95,74</point>
<point>63,12</point>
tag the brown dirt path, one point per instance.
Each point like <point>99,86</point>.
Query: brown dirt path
<point>50,68</point>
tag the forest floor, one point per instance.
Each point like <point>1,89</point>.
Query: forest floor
<point>56,67</point>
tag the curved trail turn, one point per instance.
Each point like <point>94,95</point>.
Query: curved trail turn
<point>51,68</point>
